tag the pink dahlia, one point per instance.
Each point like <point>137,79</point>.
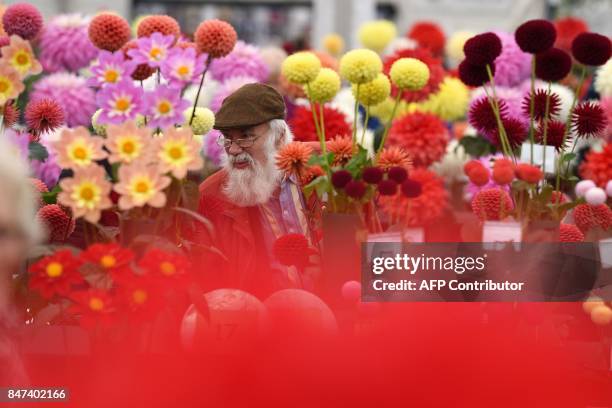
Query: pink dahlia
<point>226,89</point>
<point>183,66</point>
<point>152,50</point>
<point>513,65</point>
<point>65,45</point>
<point>211,148</point>
<point>164,106</point>
<point>244,61</point>
<point>78,101</point>
<point>110,68</point>
<point>120,102</point>
<point>423,135</point>
<point>22,19</point>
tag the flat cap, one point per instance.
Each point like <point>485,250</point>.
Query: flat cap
<point>250,105</point>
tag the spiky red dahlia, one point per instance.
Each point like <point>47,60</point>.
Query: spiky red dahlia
<point>302,124</point>
<point>342,148</point>
<point>215,37</point>
<point>142,71</point>
<point>422,135</point>
<point>591,216</point>
<point>158,24</point>
<point>516,131</point>
<point>292,250</point>
<point>10,113</point>
<point>58,223</point>
<point>597,166</point>
<point>482,117</point>
<point>43,115</point>
<point>570,233</point>
<point>539,104</point>
<point>492,204</point>
<point>436,73</point>
<point>423,209</point>
<point>589,119</point>
<point>109,31</point>
<point>554,134</point>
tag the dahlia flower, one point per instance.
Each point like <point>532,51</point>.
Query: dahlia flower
<point>10,84</point>
<point>475,75</point>
<point>301,67</point>
<point>65,44</point>
<point>535,36</point>
<point>450,102</point>
<point>341,178</point>
<point>164,106</point>
<point>55,274</point>
<point>94,307</point>
<point>58,224</point>
<point>342,148</point>
<point>215,38</point>
<point>423,135</point>
<point>597,166</point>
<point>22,19</point>
<point>120,102</point>
<point>588,216</point>
<point>293,159</point>
<point>178,152</point>
<point>428,35</point>
<point>394,156</point>
<point>128,143</point>
<point>570,233</point>
<point>48,171</point>
<point>152,50</point>
<point>472,189</point>
<point>373,92</point>
<point>376,35</point>
<point>434,65</point>
<point>360,66</point>
<point>492,204</point>
<point>211,148</point>
<point>110,68</point>
<point>183,66</point>
<point>163,24</point>
<point>483,48</point>
<point>333,43</point>
<point>589,119</point>
<point>302,124</point>
<point>567,29</point>
<point>454,46</point>
<point>76,148</point>
<point>109,31</point>
<point>86,193</point>
<point>244,60</point>
<point>553,65</point>
<point>78,101</point>
<point>141,184</point>
<point>20,56</point>
<point>43,115</point>
<point>324,87</point>
<point>203,120</point>
<point>142,71</point>
<point>591,49</point>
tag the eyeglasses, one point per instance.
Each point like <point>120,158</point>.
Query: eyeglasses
<point>243,143</point>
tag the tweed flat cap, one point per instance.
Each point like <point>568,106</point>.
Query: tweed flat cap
<point>250,105</point>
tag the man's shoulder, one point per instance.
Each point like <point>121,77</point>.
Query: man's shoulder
<point>213,183</point>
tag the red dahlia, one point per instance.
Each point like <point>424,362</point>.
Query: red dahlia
<point>22,19</point>
<point>589,119</point>
<point>553,65</point>
<point>528,173</point>
<point>163,24</point>
<point>110,257</point>
<point>567,29</point>
<point>93,307</point>
<point>397,174</point>
<point>216,38</point>
<point>482,49</point>
<point>355,189</point>
<point>570,233</point>
<point>57,222</point>
<point>592,216</point>
<point>55,274</point>
<point>516,131</point>
<point>43,115</point>
<point>387,187</point>
<point>292,250</point>
<point>165,266</point>
<point>535,36</point>
<point>591,49</point>
<point>372,175</point>
<point>554,134</point>
<point>539,104</point>
<point>436,72</point>
<point>482,117</point>
<point>492,204</point>
<point>473,74</point>
<point>10,113</point>
<point>428,35</point>
<point>341,178</point>
<point>109,31</point>
<point>303,126</point>
<point>597,166</point>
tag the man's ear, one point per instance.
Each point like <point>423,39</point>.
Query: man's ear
<point>280,141</point>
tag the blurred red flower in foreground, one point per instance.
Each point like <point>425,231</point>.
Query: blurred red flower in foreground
<point>598,166</point>
<point>93,307</point>
<point>140,296</point>
<point>55,274</point>
<point>292,249</point>
<point>111,257</point>
<point>163,266</point>
<point>303,127</point>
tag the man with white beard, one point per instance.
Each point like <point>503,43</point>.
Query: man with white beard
<point>250,202</point>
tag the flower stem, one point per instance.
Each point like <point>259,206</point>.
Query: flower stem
<point>356,114</point>
<point>322,128</point>
<point>365,125</point>
<point>500,125</point>
<point>388,125</point>
<point>195,102</point>
<point>503,137</point>
<point>546,113</point>
<point>532,106</point>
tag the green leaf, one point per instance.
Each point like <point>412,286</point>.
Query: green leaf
<point>476,146</point>
<point>37,152</point>
<point>313,186</point>
<point>51,196</point>
<point>546,193</point>
<point>568,157</point>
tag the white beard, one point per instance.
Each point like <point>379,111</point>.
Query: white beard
<point>255,184</point>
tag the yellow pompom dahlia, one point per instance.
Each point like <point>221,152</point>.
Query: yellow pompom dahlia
<point>324,87</point>
<point>360,66</point>
<point>409,74</point>
<point>203,121</point>
<point>373,92</point>
<point>333,44</point>
<point>451,101</point>
<point>301,67</point>
<point>376,35</point>
<point>454,45</point>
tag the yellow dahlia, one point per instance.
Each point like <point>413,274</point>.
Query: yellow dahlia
<point>141,184</point>
<point>373,92</point>
<point>409,74</point>
<point>333,44</point>
<point>324,87</point>
<point>128,142</point>
<point>86,193</point>
<point>178,152</point>
<point>301,67</point>
<point>384,109</point>
<point>360,66</point>
<point>10,84</point>
<point>451,102</point>
<point>203,121</point>
<point>376,35</point>
<point>19,55</point>
<point>76,148</point>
